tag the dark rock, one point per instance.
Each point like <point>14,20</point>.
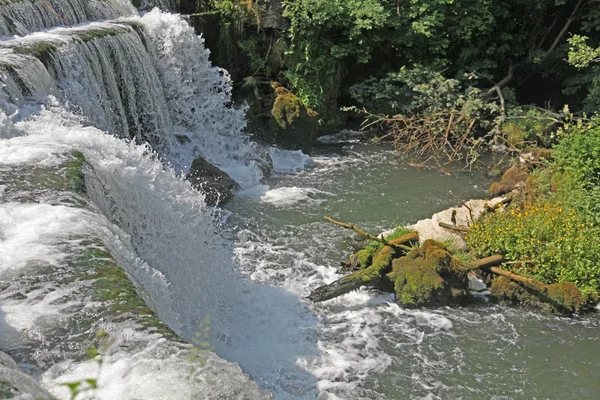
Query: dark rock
<point>216,185</point>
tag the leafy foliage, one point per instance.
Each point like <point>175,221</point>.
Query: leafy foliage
<point>550,242</point>
<point>576,161</point>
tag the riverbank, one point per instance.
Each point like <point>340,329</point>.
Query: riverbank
<point>538,245</point>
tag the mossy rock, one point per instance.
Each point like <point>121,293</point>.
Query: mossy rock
<point>559,298</point>
<point>510,180</point>
<point>509,292</point>
<point>429,276</point>
<point>568,295</point>
<point>359,260</point>
<point>293,123</point>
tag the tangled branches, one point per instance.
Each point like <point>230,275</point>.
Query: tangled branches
<point>442,137</point>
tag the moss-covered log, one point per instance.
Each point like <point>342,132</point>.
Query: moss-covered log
<point>372,276</point>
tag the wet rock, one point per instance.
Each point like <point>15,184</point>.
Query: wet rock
<point>16,384</point>
<point>429,276</point>
<point>217,186</point>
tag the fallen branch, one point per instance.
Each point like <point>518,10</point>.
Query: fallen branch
<point>49,7</point>
<point>487,262</point>
<point>491,208</point>
<point>368,235</point>
<point>453,227</point>
<point>550,294</point>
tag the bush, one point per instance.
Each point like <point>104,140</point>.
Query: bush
<point>576,165</point>
<point>552,241</point>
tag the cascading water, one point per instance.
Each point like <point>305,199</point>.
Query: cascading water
<point>145,78</point>
<point>149,78</point>
<point>20,17</point>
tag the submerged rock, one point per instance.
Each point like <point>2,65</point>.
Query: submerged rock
<point>429,276</point>
<point>217,186</point>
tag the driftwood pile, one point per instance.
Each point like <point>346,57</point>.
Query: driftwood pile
<point>430,275</point>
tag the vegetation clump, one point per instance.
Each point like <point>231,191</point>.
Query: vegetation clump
<point>429,276</point>
<point>548,241</point>
<point>294,122</point>
<point>553,233</point>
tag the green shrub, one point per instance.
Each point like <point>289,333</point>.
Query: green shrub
<point>576,165</point>
<point>553,241</point>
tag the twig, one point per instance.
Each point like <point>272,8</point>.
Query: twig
<point>464,203</point>
<point>366,234</point>
<point>49,7</point>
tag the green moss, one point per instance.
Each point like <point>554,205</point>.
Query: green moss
<point>506,291</point>
<point>111,285</point>
<point>31,183</point>
<point>293,121</point>
<point>6,390</point>
<point>399,233</point>
<point>39,50</point>
<point>75,173</point>
<point>566,294</point>
<point>561,297</point>
<point>361,259</point>
<point>429,276</point>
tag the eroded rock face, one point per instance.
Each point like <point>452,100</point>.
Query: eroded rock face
<point>429,276</point>
<point>271,14</point>
<point>217,186</point>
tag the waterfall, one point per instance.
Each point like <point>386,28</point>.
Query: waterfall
<point>20,17</point>
<point>138,96</point>
<point>145,78</point>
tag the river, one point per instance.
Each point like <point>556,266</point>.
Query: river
<point>139,99</point>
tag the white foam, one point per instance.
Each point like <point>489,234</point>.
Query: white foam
<point>155,369</point>
<point>33,232</point>
<point>289,196</point>
<point>288,161</point>
<point>173,232</point>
